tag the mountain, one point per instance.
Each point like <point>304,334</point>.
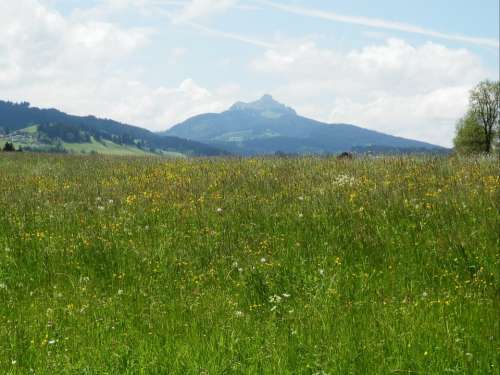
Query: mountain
<point>52,130</point>
<point>267,127</point>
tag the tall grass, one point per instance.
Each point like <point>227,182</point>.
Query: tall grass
<point>304,266</point>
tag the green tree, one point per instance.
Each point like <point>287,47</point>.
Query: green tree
<point>485,108</point>
<point>9,147</point>
<point>470,137</point>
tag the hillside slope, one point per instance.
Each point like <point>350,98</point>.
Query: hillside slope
<point>266,126</point>
<point>60,127</point>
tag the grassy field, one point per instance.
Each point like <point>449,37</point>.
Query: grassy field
<point>28,138</point>
<point>260,266</point>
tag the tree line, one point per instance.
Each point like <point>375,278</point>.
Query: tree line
<point>479,130</point>
<point>9,147</point>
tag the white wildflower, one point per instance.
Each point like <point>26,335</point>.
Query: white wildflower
<point>263,260</point>
<point>344,180</point>
<point>275,299</point>
<point>286,295</point>
<point>219,210</point>
<point>239,314</point>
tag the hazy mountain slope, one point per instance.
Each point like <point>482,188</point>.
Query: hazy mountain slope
<point>19,116</point>
<point>266,126</point>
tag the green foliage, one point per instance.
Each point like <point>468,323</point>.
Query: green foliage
<point>485,108</point>
<point>66,133</point>
<point>57,125</point>
<point>249,266</point>
<point>469,138</point>
<point>8,147</point>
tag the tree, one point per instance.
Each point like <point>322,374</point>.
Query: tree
<point>470,137</point>
<point>8,147</point>
<point>485,108</point>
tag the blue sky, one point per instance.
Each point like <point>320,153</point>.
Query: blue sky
<point>402,67</point>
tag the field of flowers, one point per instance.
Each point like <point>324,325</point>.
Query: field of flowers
<point>115,265</point>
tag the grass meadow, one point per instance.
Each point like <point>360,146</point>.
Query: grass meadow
<point>124,265</point>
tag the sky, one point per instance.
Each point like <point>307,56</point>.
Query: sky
<point>400,67</point>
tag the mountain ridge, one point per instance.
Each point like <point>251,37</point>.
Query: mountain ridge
<point>17,116</point>
<point>266,126</point>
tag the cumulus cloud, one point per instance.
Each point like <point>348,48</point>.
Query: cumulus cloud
<point>40,44</point>
<point>413,91</point>
<point>76,65</point>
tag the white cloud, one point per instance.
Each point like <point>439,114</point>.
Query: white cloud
<point>161,107</point>
<point>379,24</point>
<point>196,9</point>
<point>176,54</point>
<point>430,116</point>
<point>40,44</point>
<point>233,36</point>
<point>412,91</point>
<point>77,65</point>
